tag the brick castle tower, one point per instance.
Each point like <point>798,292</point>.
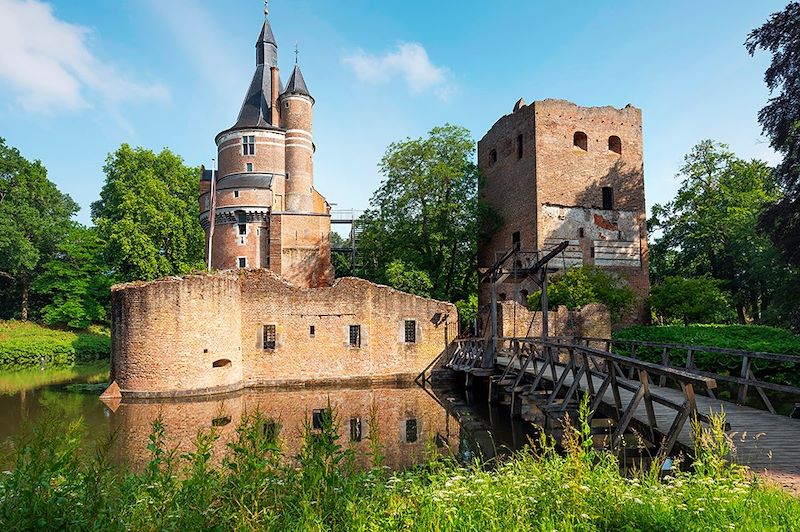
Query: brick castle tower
<point>267,213</point>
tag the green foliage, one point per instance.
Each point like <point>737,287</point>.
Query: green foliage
<point>710,228</point>
<point>34,218</point>
<point>401,276</point>
<point>148,214</point>
<point>22,345</point>
<point>57,485</point>
<point>340,260</point>
<point>468,311</point>
<point>75,282</point>
<point>426,214</point>
<point>580,286</point>
<point>696,300</point>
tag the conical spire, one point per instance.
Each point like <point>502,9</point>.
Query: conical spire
<point>266,46</point>
<point>297,85</point>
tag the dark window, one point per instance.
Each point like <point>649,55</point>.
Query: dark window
<point>411,331</point>
<point>515,238</point>
<point>502,296</point>
<point>311,331</point>
<point>411,430</point>
<point>242,229</point>
<point>608,198</point>
<point>220,421</point>
<point>615,144</point>
<point>235,193</point>
<point>580,140</point>
<point>580,232</point>
<point>270,429</point>
<point>319,416</point>
<point>270,336</point>
<point>493,156</point>
<point>248,145</point>
<point>591,251</point>
<point>221,363</point>
<point>519,146</point>
<point>355,336</point>
<point>249,167</point>
<point>355,429</point>
<point>243,262</point>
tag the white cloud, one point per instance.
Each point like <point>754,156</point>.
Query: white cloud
<point>49,65</point>
<point>409,61</point>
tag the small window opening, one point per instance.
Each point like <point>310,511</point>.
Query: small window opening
<point>615,144</point>
<point>580,140</point>
<point>580,232</point>
<point>620,236</point>
<point>270,336</point>
<point>591,251</point>
<point>493,156</point>
<point>242,262</point>
<point>271,429</point>
<point>411,331</point>
<point>248,145</point>
<point>411,431</point>
<point>515,240</point>
<point>355,429</point>
<point>608,198</point>
<point>319,416</point>
<point>242,229</point>
<point>249,167</point>
<point>221,363</point>
<point>235,193</point>
<point>220,421</point>
<point>312,330</point>
<point>519,146</point>
<point>355,336</point>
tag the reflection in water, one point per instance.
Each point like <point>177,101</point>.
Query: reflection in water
<point>410,421</point>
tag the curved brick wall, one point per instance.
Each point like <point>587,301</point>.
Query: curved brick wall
<point>167,335</point>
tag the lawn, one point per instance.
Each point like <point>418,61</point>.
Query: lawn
<point>29,345</point>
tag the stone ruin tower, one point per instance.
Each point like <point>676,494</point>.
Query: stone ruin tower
<point>267,213</point>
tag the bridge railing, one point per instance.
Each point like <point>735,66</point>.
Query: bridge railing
<point>736,366</point>
<point>583,364</point>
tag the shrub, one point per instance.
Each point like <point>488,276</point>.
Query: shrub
<point>23,345</point>
<point>695,300</point>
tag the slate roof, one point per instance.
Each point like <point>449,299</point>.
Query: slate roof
<point>297,85</point>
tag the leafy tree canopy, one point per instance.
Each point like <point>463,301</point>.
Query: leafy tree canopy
<point>696,300</point>
<point>148,214</point>
<point>426,215</point>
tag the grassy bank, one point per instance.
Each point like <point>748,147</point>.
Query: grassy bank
<point>54,486</point>
<point>32,378</point>
<point>25,345</point>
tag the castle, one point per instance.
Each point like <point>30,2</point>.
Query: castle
<point>273,315</point>
<point>555,171</point>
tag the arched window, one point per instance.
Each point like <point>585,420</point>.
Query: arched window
<point>615,144</point>
<point>493,156</point>
<point>580,140</point>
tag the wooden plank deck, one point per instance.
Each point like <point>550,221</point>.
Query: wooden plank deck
<point>767,443</point>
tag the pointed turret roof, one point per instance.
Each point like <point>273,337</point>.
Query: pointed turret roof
<point>297,85</point>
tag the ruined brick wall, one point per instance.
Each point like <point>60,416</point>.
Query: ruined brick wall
<point>305,249</point>
<point>515,320</point>
<point>568,174</point>
<point>200,333</point>
<point>176,335</point>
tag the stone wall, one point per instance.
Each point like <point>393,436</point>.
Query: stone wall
<point>203,333</point>
<point>515,320</point>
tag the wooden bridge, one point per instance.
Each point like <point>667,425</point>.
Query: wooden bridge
<point>655,399</point>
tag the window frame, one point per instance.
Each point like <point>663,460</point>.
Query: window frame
<point>354,341</point>
<point>269,336</point>
<point>248,145</point>
<point>239,262</point>
<point>410,331</point>
<point>608,198</point>
<point>412,422</point>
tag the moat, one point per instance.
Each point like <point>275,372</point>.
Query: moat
<point>410,421</point>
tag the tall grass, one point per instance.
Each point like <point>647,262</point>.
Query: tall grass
<point>255,487</point>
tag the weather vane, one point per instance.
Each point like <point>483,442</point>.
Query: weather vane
<point>266,8</point>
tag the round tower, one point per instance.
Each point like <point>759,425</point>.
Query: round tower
<point>296,105</point>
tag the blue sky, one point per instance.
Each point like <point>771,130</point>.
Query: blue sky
<point>79,77</point>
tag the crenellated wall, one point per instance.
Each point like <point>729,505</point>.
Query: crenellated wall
<point>168,334</point>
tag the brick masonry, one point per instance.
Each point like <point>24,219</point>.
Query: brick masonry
<point>547,184</point>
<point>203,334</point>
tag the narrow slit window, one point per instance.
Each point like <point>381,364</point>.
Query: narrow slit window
<point>242,262</point>
<point>355,429</point>
<point>270,336</point>
<point>312,330</point>
<point>493,156</point>
<point>515,240</point>
<point>411,331</point>
<point>355,336</point>
<point>580,232</point>
<point>519,146</point>
<point>412,431</point>
<point>608,198</point>
<point>235,193</point>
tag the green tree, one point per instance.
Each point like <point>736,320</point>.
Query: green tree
<point>148,214</point>
<point>407,279</point>
<point>467,312</point>
<point>75,282</point>
<point>710,227</point>
<point>341,260</point>
<point>695,300</point>
<point>426,213</point>
<point>780,120</point>
<point>34,217</point>
<point>586,284</point>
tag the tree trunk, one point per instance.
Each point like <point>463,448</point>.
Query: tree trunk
<point>740,313</point>
<point>25,302</point>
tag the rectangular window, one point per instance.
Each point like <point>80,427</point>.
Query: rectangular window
<point>318,417</point>
<point>355,429</point>
<point>235,193</point>
<point>249,167</point>
<point>270,336</point>
<point>242,229</point>
<point>242,262</point>
<point>608,198</point>
<point>411,431</point>
<point>580,232</point>
<point>355,336</point>
<point>411,332</point>
<point>515,238</point>
<point>248,145</point>
<point>591,251</point>
<point>312,331</point>
<point>271,430</point>
<point>519,146</point>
